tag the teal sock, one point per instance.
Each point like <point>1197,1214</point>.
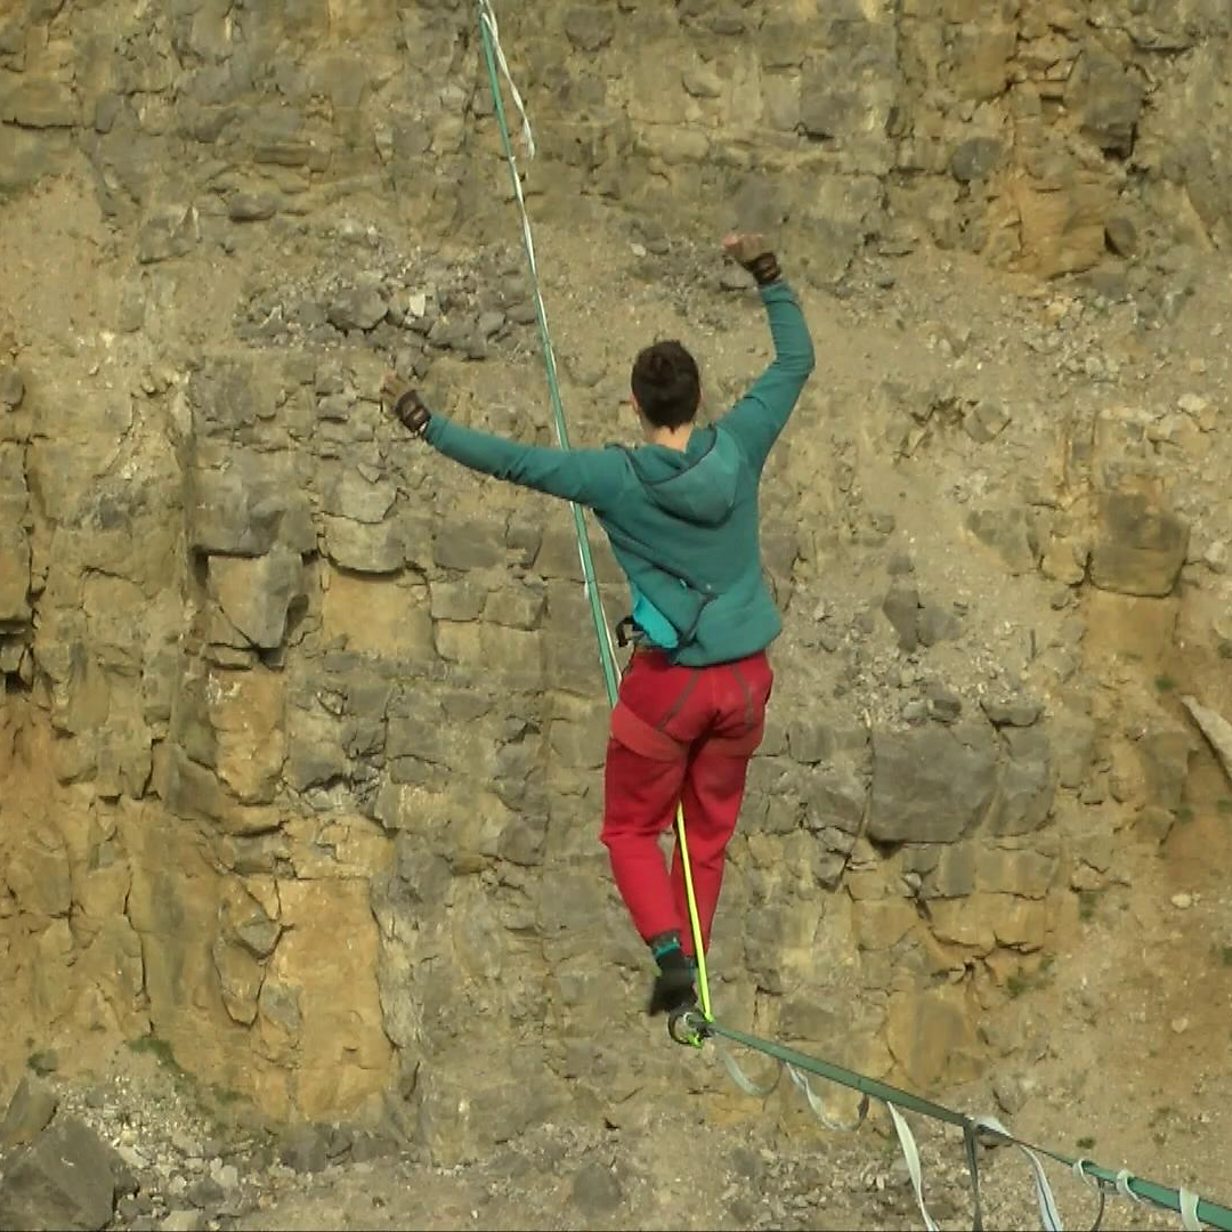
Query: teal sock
<point>667,952</point>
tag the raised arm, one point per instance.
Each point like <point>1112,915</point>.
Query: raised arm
<point>591,477</point>
<point>758,418</point>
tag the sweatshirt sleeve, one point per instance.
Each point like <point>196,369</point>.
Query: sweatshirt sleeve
<point>758,418</point>
<point>591,477</point>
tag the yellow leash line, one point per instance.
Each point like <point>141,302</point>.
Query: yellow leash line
<point>695,925</point>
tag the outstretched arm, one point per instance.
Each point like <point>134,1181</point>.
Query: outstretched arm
<point>592,477</point>
<point>758,418</point>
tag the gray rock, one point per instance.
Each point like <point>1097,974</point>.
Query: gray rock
<point>589,28</point>
<point>835,801</point>
<point>306,1149</point>
<point>256,594</point>
<point>128,1210</point>
<point>65,1179</point>
<point>810,741</point>
<point>902,609</point>
<point>491,323</point>
<point>936,624</point>
<point>944,705</point>
<point>1012,712</point>
<point>369,1146</point>
<point>1141,549</point>
<point>452,334</point>
<point>1027,787</point>
<point>931,785</point>
<point>184,1219</point>
<point>1122,235</point>
<point>1106,98</point>
<point>169,233</point>
<point>29,1111</point>
<point>596,1190</point>
<point>976,158</point>
<point>252,207</point>
<point>336,407</point>
<point>12,387</point>
<point>986,420</point>
<point>470,545</point>
<point>364,548</point>
<point>354,496</point>
<point>1007,533</point>
<point>358,308</point>
<point>246,509</point>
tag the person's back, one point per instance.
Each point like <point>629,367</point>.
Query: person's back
<point>681,512</point>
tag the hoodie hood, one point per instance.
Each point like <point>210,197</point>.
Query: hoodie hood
<point>699,485</point>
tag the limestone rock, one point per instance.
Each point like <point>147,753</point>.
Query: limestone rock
<point>1215,728</point>
<point>12,387</point>
<point>245,510</point>
<point>364,547</point>
<point>1006,532</point>
<point>976,158</point>
<point>360,308</point>
<point>14,575</point>
<point>589,28</point>
<point>596,1191</point>
<point>929,786</point>
<point>170,232</point>
<point>1026,788</point>
<point>1140,549</point>
<point>931,1036</point>
<point>1107,99</point>
<point>29,1111</point>
<point>256,594</point>
<point>65,1179</point>
<point>902,610</point>
<point>305,1149</point>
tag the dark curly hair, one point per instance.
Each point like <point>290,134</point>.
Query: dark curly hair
<point>667,384</point>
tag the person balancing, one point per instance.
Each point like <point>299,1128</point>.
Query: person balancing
<point>681,513</point>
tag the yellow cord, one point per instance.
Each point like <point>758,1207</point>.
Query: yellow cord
<point>699,950</point>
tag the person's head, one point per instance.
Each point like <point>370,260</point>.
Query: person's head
<point>666,385</point>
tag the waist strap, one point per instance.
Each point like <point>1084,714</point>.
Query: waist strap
<point>640,737</point>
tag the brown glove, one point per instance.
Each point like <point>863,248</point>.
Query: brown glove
<point>405,404</point>
<point>751,251</point>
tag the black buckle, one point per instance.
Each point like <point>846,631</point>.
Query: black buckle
<point>629,633</point>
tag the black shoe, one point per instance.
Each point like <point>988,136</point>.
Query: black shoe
<point>673,986</point>
<point>672,990</point>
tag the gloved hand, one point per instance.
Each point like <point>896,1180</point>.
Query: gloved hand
<point>751,251</point>
<point>405,404</point>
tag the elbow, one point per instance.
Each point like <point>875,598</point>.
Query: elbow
<point>801,365</point>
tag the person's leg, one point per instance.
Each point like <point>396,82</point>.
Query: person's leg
<point>715,780</point>
<point>643,777</point>
<point>640,795</point>
<point>712,795</point>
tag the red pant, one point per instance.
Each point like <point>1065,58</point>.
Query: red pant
<point>679,735</point>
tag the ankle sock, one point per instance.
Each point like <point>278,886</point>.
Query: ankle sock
<point>669,953</point>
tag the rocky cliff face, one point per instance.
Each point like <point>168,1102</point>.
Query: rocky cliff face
<point>301,729</point>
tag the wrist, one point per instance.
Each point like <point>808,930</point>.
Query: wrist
<point>410,409</point>
<point>765,269</point>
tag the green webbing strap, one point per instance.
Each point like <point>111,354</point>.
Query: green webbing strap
<point>494,58</point>
<point>1180,1201</point>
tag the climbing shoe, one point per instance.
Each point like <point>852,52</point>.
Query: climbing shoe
<point>673,986</point>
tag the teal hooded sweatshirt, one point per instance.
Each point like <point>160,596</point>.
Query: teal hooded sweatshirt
<point>683,525</point>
